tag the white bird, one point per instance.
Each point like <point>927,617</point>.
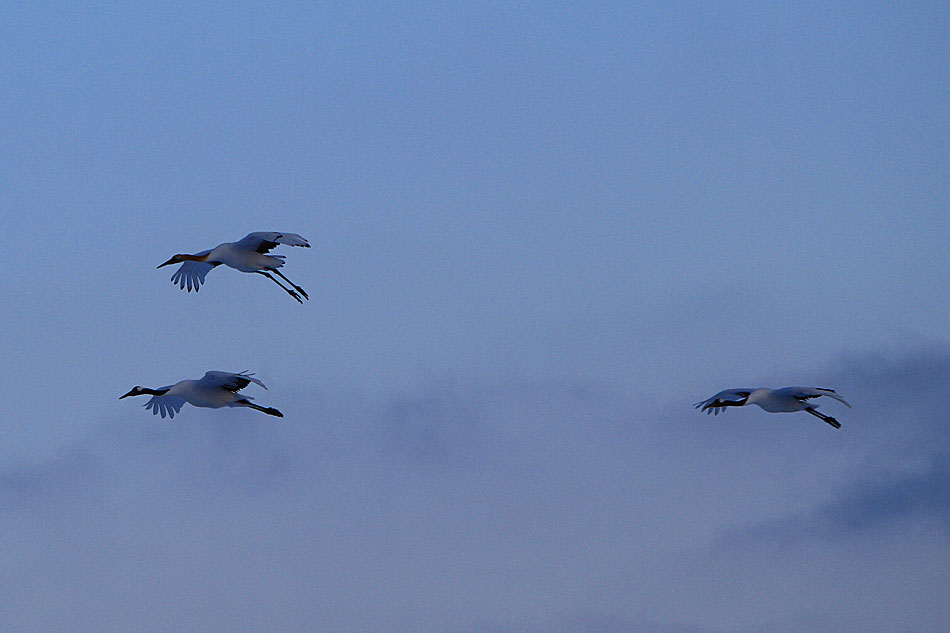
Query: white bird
<point>785,400</point>
<point>215,390</point>
<point>249,255</point>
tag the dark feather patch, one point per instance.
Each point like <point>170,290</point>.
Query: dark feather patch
<point>239,383</point>
<point>266,246</point>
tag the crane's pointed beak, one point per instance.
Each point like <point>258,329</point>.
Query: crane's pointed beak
<point>170,261</point>
<point>131,393</point>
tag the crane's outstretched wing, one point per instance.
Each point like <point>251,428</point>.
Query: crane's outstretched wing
<point>263,242</point>
<point>228,380</point>
<point>165,405</point>
<point>723,399</point>
<point>192,274</point>
<point>804,393</point>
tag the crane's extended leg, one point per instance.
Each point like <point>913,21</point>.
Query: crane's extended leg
<point>295,286</point>
<point>257,407</point>
<point>287,290</point>
<point>827,418</point>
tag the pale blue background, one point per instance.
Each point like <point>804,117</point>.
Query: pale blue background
<point>540,233</point>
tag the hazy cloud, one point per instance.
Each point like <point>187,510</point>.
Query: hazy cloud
<point>494,507</point>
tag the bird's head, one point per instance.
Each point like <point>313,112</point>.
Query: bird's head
<point>176,259</point>
<point>136,391</point>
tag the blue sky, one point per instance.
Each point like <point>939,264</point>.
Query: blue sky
<point>539,234</point>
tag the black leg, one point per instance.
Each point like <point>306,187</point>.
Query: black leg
<point>295,286</point>
<point>287,290</point>
<point>268,410</point>
<point>827,418</point>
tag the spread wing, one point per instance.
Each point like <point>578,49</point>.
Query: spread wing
<point>165,405</point>
<point>192,274</point>
<point>727,398</point>
<point>228,380</point>
<point>805,393</point>
<point>263,242</point>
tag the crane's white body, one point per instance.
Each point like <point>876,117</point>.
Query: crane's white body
<point>248,255</point>
<point>214,390</point>
<point>231,254</point>
<point>784,400</point>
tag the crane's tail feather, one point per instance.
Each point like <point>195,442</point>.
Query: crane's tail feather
<point>832,394</point>
<point>247,374</point>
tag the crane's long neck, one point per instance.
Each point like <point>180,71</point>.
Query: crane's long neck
<point>184,257</point>
<point>194,258</point>
<point>145,391</point>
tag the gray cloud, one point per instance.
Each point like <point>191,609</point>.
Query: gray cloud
<point>63,477</point>
<point>870,504</point>
<point>881,501</point>
<point>507,506</point>
<point>900,440</point>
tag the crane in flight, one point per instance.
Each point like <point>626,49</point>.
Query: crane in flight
<point>248,255</point>
<point>785,400</point>
<point>214,390</point>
